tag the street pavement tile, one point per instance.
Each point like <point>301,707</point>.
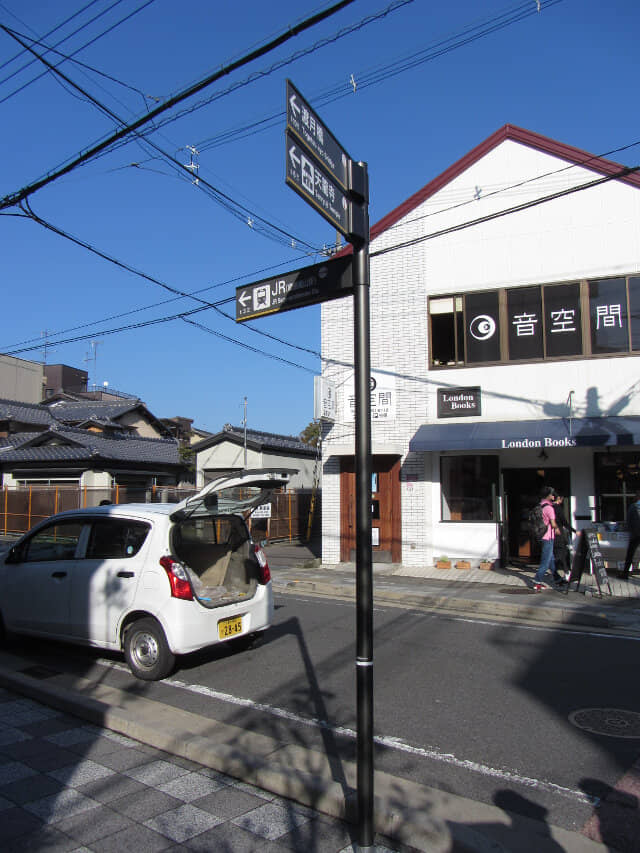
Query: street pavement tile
<point>271,820</point>
<point>9,735</point>
<point>72,736</point>
<point>80,773</point>
<point>123,758</point>
<point>58,806</point>
<point>137,838</point>
<point>14,770</point>
<point>251,789</point>
<point>50,758</point>
<point>16,822</point>
<point>230,839</point>
<point>182,823</point>
<point>25,747</point>
<point>112,788</point>
<point>190,787</point>
<point>144,804</point>
<point>319,836</point>
<point>51,726</point>
<point>156,772</point>
<point>31,788</point>
<point>23,711</point>
<point>229,802</point>
<point>45,839</point>
<point>5,804</point>
<point>87,827</point>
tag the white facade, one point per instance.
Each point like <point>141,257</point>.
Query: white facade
<point>577,236</point>
<point>229,456</point>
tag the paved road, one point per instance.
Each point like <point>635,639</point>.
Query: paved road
<point>475,707</point>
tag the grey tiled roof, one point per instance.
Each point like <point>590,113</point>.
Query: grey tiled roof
<point>83,410</point>
<point>26,413</point>
<point>79,444</point>
<point>258,439</point>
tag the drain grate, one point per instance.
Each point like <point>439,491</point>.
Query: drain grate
<point>611,722</point>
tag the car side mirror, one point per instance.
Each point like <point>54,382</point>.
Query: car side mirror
<point>13,555</point>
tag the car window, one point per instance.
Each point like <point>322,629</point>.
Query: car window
<point>217,530</point>
<point>54,542</point>
<point>116,538</point>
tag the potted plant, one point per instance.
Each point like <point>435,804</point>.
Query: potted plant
<point>485,565</point>
<point>463,564</point>
<point>443,563</point>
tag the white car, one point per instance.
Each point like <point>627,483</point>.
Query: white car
<point>154,580</point>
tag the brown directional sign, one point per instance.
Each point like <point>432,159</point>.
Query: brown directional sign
<point>307,286</point>
<point>316,137</point>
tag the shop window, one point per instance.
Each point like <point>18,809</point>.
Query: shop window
<point>447,338</point>
<point>608,316</point>
<point>524,314</point>
<point>563,323</point>
<point>468,487</point>
<point>482,327</point>
<point>617,479</point>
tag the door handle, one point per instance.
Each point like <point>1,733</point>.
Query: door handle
<point>59,575</point>
<point>126,574</point>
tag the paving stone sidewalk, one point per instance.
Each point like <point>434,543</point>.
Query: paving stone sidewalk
<point>66,785</point>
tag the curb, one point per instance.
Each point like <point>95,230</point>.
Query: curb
<point>442,603</point>
<point>417,817</point>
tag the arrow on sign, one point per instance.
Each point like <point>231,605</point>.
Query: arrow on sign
<point>294,105</point>
<point>244,298</point>
<point>294,157</point>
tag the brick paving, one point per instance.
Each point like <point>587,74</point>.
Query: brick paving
<point>66,785</point>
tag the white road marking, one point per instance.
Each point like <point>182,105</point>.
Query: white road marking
<point>389,742</point>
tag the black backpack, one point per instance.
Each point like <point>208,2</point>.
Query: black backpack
<point>537,524</point>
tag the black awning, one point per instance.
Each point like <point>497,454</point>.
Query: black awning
<point>517,435</point>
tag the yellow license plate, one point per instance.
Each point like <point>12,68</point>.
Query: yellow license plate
<point>229,627</point>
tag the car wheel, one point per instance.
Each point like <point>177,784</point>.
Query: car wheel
<point>146,650</point>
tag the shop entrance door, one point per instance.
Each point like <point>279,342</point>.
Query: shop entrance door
<point>385,510</point>
<point>521,490</point>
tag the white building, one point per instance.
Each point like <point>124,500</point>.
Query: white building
<point>505,332</point>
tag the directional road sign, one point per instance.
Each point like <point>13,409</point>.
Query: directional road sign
<point>307,286</point>
<point>307,177</point>
<point>316,137</point>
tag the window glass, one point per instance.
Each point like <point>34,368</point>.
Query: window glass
<point>617,479</point>
<point>116,538</point>
<point>482,327</point>
<point>562,320</point>
<point>634,306</point>
<point>468,485</point>
<point>54,542</point>
<point>446,328</point>
<point>608,315</point>
<point>524,310</point>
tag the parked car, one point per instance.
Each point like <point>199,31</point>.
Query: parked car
<point>153,580</point>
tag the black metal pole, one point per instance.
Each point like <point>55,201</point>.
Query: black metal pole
<point>364,574</point>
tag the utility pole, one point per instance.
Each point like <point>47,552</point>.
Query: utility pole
<point>244,421</point>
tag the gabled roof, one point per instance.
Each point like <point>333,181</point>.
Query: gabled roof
<point>80,411</point>
<point>599,165</point>
<point>257,440</point>
<point>63,444</point>
<point>25,413</point>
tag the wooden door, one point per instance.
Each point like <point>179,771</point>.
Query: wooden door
<point>385,509</point>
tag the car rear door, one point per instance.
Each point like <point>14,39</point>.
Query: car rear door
<point>105,580</point>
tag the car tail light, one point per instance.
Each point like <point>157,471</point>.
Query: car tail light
<point>178,579</point>
<point>264,575</point>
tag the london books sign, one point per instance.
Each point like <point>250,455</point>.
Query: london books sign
<point>459,402</point>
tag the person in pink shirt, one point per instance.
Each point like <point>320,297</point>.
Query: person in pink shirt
<point>547,561</point>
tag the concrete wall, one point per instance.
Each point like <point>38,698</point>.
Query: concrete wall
<point>22,381</point>
<point>229,456</point>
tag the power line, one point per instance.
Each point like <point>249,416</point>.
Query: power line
<point>18,196</point>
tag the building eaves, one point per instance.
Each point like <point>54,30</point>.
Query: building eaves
<point>257,440</point>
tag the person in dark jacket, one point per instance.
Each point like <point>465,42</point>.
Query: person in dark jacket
<point>561,550</point>
<point>633,525</point>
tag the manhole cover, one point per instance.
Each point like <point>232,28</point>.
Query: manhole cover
<point>612,722</point>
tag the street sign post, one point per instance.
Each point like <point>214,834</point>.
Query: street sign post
<point>310,285</point>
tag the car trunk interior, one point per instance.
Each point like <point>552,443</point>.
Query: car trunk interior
<point>216,553</point>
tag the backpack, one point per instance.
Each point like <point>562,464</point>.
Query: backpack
<point>537,524</point>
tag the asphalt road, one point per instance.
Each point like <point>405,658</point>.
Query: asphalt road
<point>477,708</point>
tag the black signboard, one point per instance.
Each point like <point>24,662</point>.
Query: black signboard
<point>459,402</point>
<point>589,549</point>
<point>482,333</point>
<point>316,136</point>
<point>563,320</point>
<point>608,315</point>
<point>634,307</point>
<point>524,310</point>
<point>307,286</point>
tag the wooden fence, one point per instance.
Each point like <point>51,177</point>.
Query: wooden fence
<point>21,509</point>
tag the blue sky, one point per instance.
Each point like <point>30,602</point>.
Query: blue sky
<point>569,71</point>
